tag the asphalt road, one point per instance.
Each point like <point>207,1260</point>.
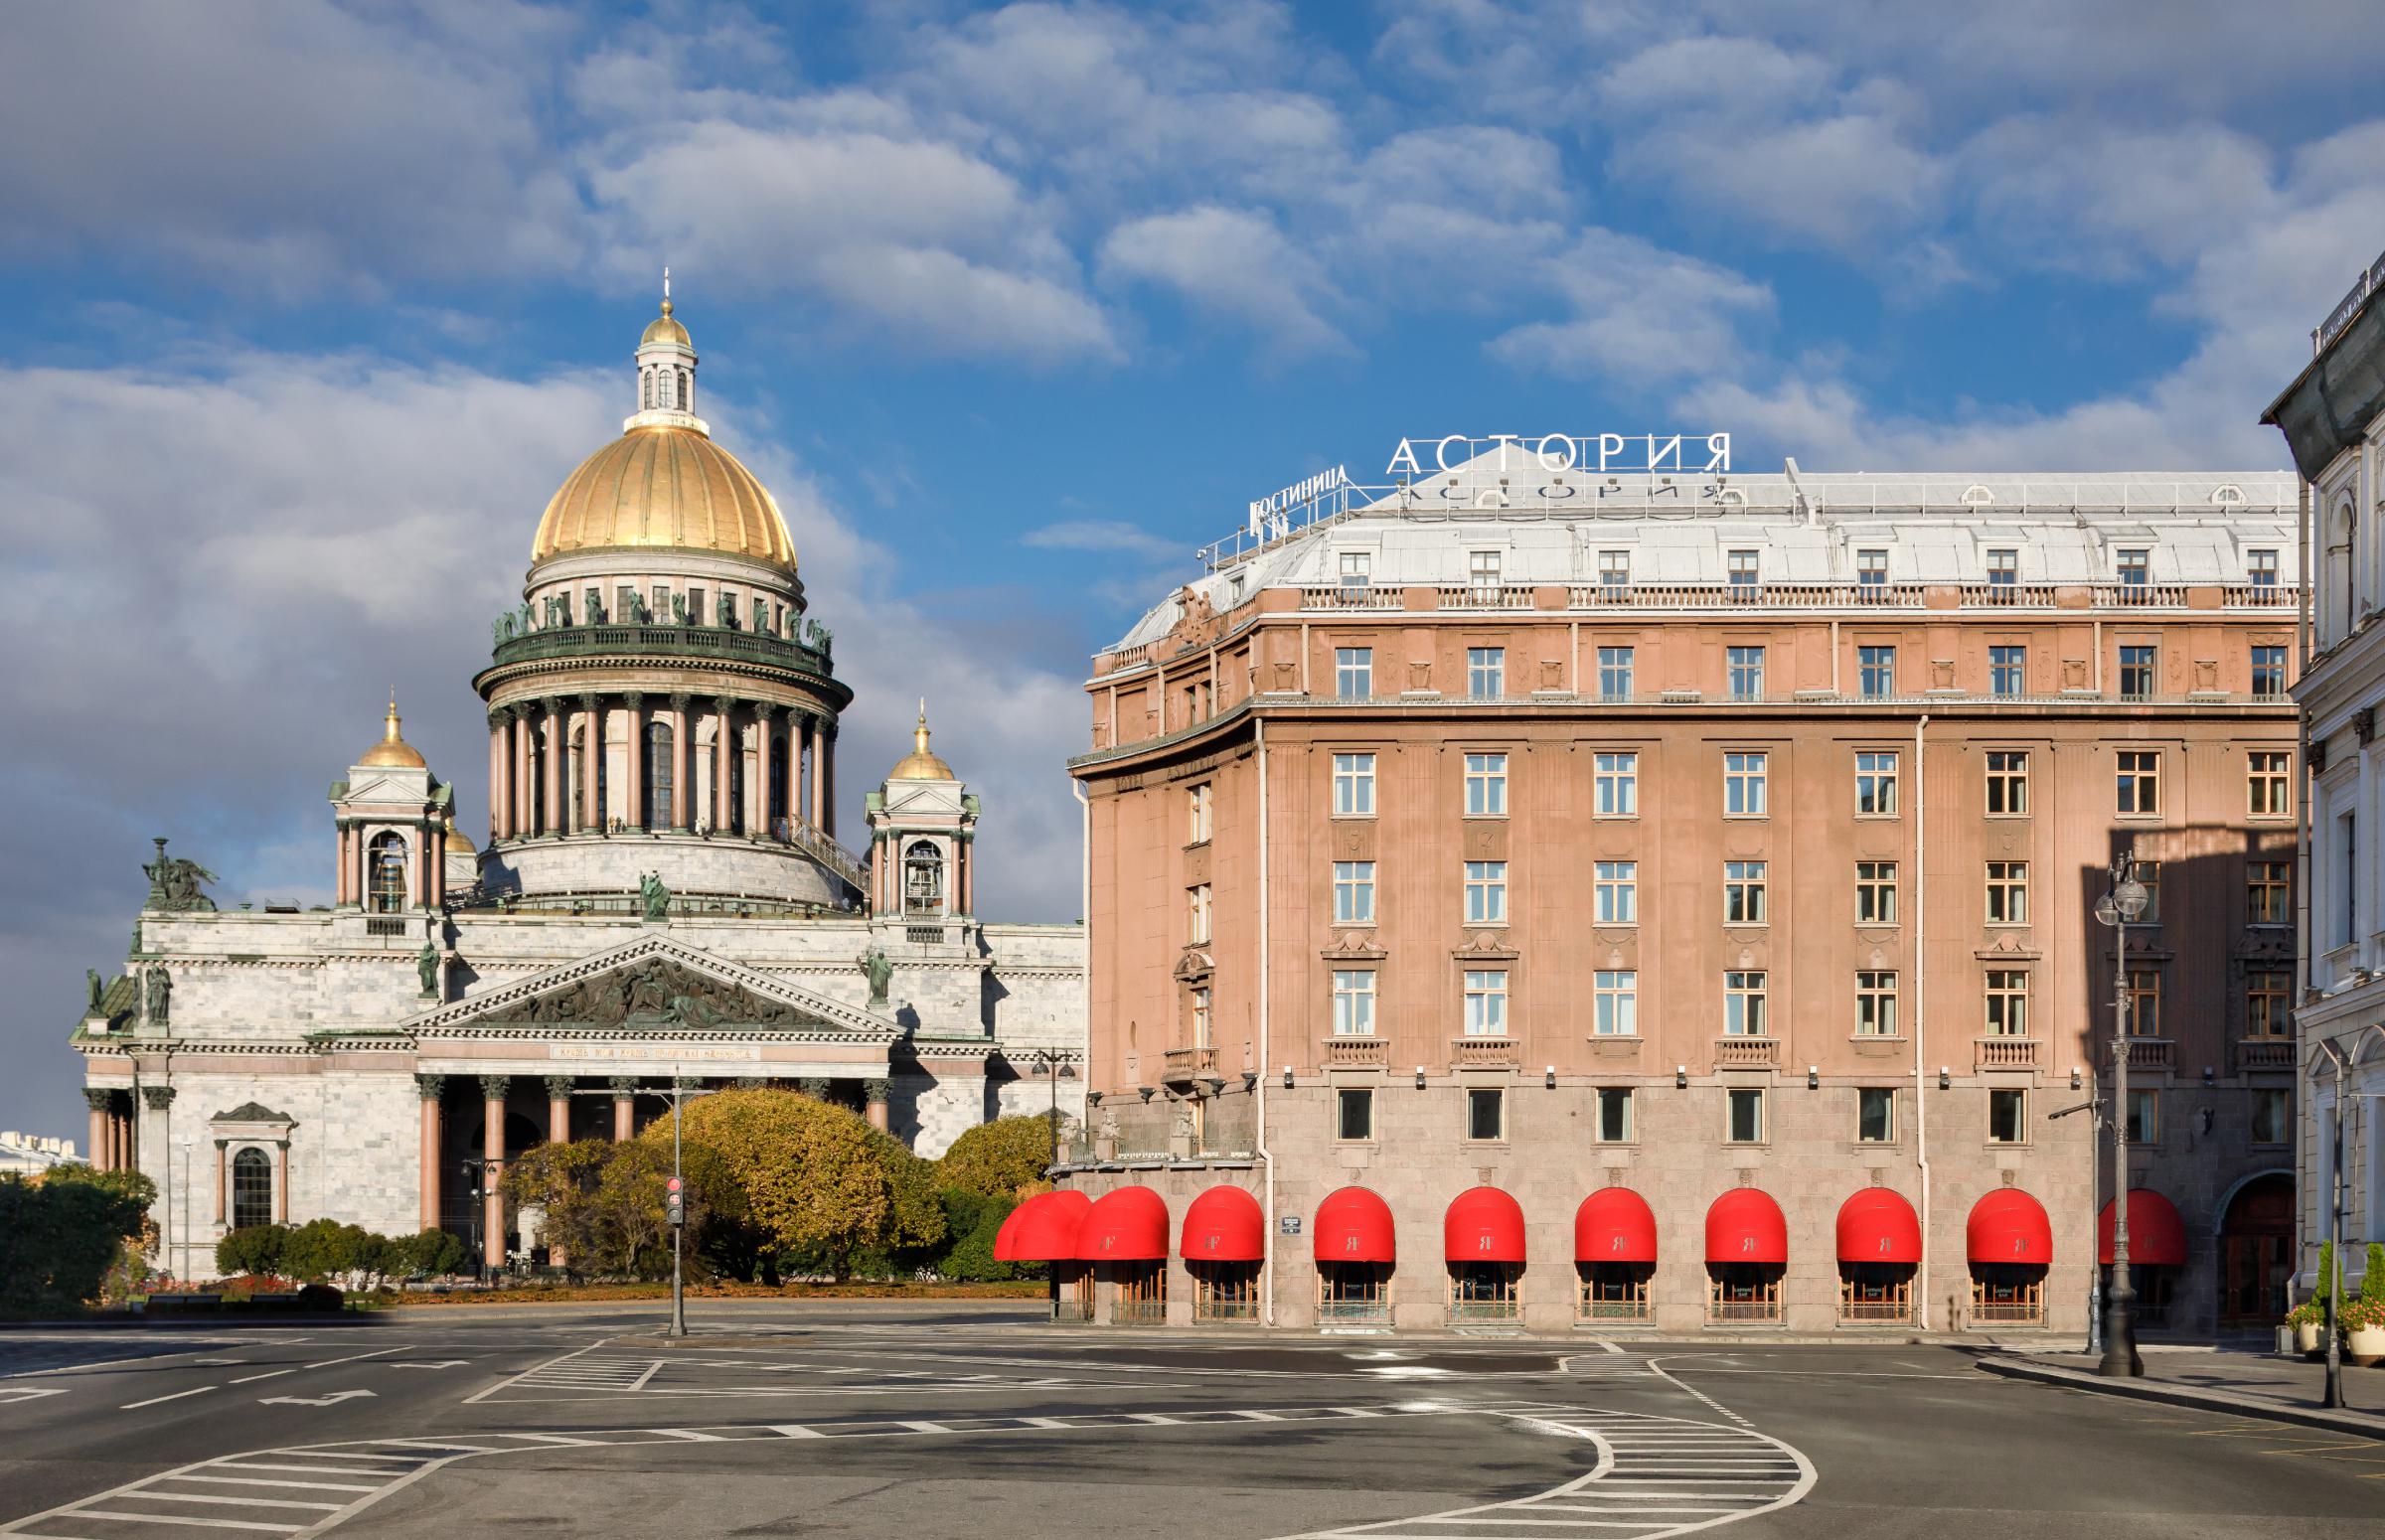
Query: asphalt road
<point>854,1419</point>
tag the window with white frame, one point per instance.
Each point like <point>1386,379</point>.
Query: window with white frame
<point>2260,568</point>
<point>2003,568</point>
<point>1482,576</point>
<point>2007,670</point>
<point>2008,783</point>
<point>1743,999</point>
<point>1196,913</point>
<point>2007,892</point>
<point>1743,885</point>
<point>1875,1004</point>
<point>1615,572</point>
<point>1485,892</point>
<point>2267,783</point>
<point>1617,784</point>
<point>1740,567</point>
<point>1353,892</point>
<point>1875,671</point>
<point>1354,672</point>
<point>1353,1002</point>
<point>1744,775</point>
<point>1745,667</point>
<point>1197,813</point>
<point>1871,569</point>
<point>1486,1002</point>
<point>1485,786</point>
<point>1486,673</point>
<point>1875,892</point>
<point>1615,1115</point>
<point>1201,1018</point>
<point>1616,1003</point>
<point>1875,783</point>
<point>1745,1117</point>
<point>1356,570</point>
<point>1615,672</point>
<point>1615,892</point>
<point>1354,786</point>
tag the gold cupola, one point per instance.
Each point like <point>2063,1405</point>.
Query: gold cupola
<point>392,751</point>
<point>664,484</point>
<point>921,763</point>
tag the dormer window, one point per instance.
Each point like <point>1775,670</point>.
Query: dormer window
<point>2135,568</point>
<point>2261,567</point>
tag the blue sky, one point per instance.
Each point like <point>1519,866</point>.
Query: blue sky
<point>314,304</point>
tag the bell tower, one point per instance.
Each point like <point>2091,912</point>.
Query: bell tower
<point>392,815</point>
<point>922,844</point>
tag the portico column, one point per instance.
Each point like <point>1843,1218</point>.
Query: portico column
<point>219,1183</point>
<point>551,718</point>
<point>339,881</point>
<point>682,758</point>
<point>281,1182</point>
<point>491,1149</point>
<point>635,703</point>
<point>763,712</point>
<point>873,1098</point>
<point>429,1088</point>
<point>592,744</point>
<point>811,800</point>
<point>724,745</point>
<point>558,1109</point>
<point>521,774</point>
<point>828,780</point>
<point>500,797</point>
<point>99,1100</point>
<point>624,1106</point>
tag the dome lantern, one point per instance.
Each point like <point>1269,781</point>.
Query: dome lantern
<point>665,373</point>
<point>392,751</point>
<point>921,764</point>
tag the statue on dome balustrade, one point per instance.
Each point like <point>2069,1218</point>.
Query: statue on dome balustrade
<point>174,881</point>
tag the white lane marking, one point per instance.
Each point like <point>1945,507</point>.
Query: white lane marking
<point>486,1392</point>
<point>204,1523</point>
<point>134,1406</point>
<point>381,1352</point>
<point>10,1393</point>
<point>259,1481</point>
<point>271,1375</point>
<point>152,1494</point>
<point>334,1399</point>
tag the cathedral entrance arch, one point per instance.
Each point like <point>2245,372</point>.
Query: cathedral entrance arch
<point>2256,1252</point>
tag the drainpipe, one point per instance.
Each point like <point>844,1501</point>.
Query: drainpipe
<point>1921,974</point>
<point>1259,1113</point>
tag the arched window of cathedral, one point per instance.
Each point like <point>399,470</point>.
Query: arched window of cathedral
<point>923,878</point>
<point>385,873</point>
<point>252,1188</point>
<point>646,394</point>
<point>660,762</point>
<point>735,823</point>
<point>684,394</point>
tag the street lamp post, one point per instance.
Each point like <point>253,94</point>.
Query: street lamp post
<point>2118,908</point>
<point>182,1272</point>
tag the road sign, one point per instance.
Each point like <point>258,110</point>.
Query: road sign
<point>1288,1224</point>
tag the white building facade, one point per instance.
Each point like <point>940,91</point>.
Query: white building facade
<point>2333,420</point>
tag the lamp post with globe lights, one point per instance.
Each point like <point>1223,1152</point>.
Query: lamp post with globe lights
<point>2118,908</point>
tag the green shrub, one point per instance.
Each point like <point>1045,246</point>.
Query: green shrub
<point>60,1235</point>
<point>2372,1274</point>
<point>256,1250</point>
<point>433,1254</point>
<point>997,1159</point>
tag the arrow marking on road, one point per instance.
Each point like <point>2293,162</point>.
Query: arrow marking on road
<point>337,1395</point>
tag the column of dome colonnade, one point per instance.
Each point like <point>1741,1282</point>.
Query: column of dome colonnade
<point>659,701</point>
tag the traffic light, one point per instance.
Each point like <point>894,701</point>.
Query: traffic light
<point>675,1201</point>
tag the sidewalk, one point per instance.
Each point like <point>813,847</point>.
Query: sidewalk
<point>2242,1384</point>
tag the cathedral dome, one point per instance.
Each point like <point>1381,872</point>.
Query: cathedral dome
<point>664,486</point>
<point>921,764</point>
<point>392,751</point>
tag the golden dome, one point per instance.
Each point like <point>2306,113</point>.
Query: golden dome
<point>459,843</point>
<point>663,329</point>
<point>920,764</point>
<point>664,487</point>
<point>392,750</point>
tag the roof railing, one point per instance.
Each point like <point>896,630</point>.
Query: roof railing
<point>2340,317</point>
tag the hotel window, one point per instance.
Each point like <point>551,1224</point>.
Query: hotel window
<point>2268,672</point>
<point>1743,1005</point>
<point>1740,567</point>
<point>1201,1018</point>
<point>2145,1117</point>
<point>1875,892</point>
<point>1356,571</point>
<point>2007,892</point>
<point>2139,784</point>
<point>1617,1012</point>
<point>1354,672</point>
<point>1353,892</point>
<point>1875,1005</point>
<point>1746,1126</point>
<point>1875,671</point>
<point>2268,775</point>
<point>2261,567</point>
<point>1743,892</point>
<point>1354,1114</point>
<point>2138,666</point>
<point>1197,813</point>
<point>1485,892</point>
<point>2007,671</point>
<point>2008,1002</point>
<point>2347,906</point>
<point>1485,786</point>
<point>1486,673</point>
<point>1618,785</point>
<point>2149,872</point>
<point>2144,1003</point>
<point>1743,785</point>
<point>1353,1002</point>
<point>1871,569</point>
<point>1875,1115</point>
<point>2007,1116</point>
<point>1875,784</point>
<point>1615,572</point>
<point>1615,1115</point>
<point>1354,786</point>
<point>1482,576</point>
<point>2268,890</point>
<point>2267,1003</point>
<point>1486,1002</point>
<point>1746,669</point>
<point>2008,783</point>
<point>1486,1115</point>
<point>2134,569</point>
<point>2273,1118</point>
<point>1615,673</point>
<point>1196,913</point>
<point>2003,568</point>
<point>1616,892</point>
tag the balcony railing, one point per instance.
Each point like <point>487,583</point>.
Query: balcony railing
<point>2005,1053</point>
<point>663,641</point>
<point>2265,1053</point>
<point>1186,1063</point>
<point>1137,1312</point>
<point>1614,1309</point>
<point>1482,1052</point>
<point>1351,596</point>
<point>1747,1052</point>
<point>1486,596</point>
<point>1796,596</point>
<point>2152,1053</point>
<point>1479,1312</point>
<point>1353,1313</point>
<point>1740,1313</point>
<point>1356,1052</point>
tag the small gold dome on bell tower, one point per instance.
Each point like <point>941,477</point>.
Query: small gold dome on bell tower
<point>392,750</point>
<point>920,764</point>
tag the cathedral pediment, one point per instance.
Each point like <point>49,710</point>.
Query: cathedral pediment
<point>654,985</point>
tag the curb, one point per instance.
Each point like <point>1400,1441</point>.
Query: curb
<point>2363,1425</point>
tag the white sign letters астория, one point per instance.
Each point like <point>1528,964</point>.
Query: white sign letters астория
<point>1554,452</point>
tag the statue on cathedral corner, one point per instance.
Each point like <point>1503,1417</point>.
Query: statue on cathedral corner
<point>96,986</point>
<point>654,895</point>
<point>426,969</point>
<point>174,881</point>
<point>881,971</point>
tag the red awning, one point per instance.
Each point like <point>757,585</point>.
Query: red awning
<point>2007,1225</point>
<point>1614,1224</point>
<point>1126,1224</point>
<point>1746,1225</point>
<point>1224,1224</point>
<point>1482,1224</point>
<point>2157,1235</point>
<point>1877,1225</point>
<point>1043,1229</point>
<point>1352,1225</point>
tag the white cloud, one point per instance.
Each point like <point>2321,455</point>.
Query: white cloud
<point>1103,534</point>
<point>1638,311</point>
<point>1234,264</point>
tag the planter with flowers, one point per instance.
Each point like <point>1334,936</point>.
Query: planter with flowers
<point>2364,1330</point>
<point>2307,1320</point>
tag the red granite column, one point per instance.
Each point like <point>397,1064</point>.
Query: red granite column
<point>559,1132</point>
<point>724,745</point>
<point>762,725</point>
<point>498,798</point>
<point>524,827</point>
<point>635,703</point>
<point>874,1097</point>
<point>682,763</point>
<point>98,1101</point>
<point>624,1108</point>
<point>550,718</point>
<point>429,1088</point>
<point>492,1124</point>
<point>827,781</point>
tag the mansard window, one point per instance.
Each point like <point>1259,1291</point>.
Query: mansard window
<point>385,873</point>
<point>923,878</point>
<point>656,814</point>
<point>251,1190</point>
<point>2261,567</point>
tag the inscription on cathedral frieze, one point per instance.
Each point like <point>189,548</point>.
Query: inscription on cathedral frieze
<point>654,993</point>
